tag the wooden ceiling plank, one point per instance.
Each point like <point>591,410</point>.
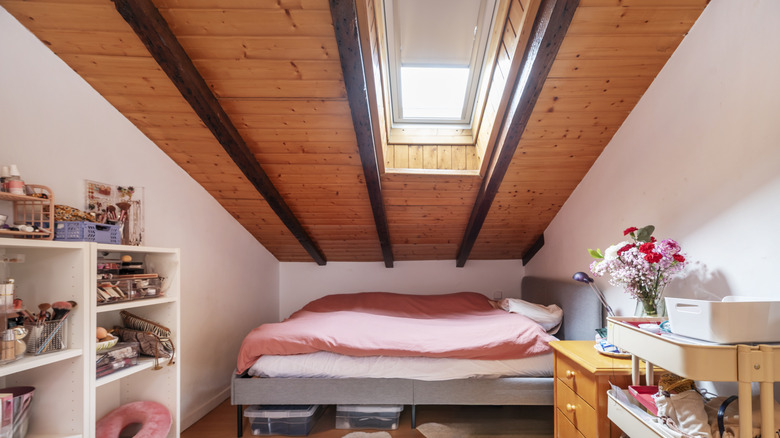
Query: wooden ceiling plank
<point>345,23</point>
<point>154,32</point>
<point>546,37</point>
<point>287,107</point>
<point>647,20</point>
<point>251,22</point>
<point>260,47</point>
<point>243,4</point>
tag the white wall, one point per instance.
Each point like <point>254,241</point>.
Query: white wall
<point>302,282</point>
<point>59,132</point>
<point>699,158</point>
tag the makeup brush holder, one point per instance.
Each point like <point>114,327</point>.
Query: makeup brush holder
<point>47,337</point>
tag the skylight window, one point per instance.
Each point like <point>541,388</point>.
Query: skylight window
<point>436,51</point>
<point>433,92</point>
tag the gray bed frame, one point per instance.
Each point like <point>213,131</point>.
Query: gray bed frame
<point>582,315</point>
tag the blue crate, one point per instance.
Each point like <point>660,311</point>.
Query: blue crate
<point>84,231</point>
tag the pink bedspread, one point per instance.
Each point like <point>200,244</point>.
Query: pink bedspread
<point>459,325</point>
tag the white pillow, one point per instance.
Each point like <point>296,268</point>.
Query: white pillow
<point>549,317</point>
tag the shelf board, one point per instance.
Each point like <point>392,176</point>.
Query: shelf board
<point>134,303</point>
<point>29,361</point>
<point>135,249</point>
<point>40,234</point>
<point>39,243</point>
<point>144,363</point>
<point>629,421</point>
<point>5,196</point>
<point>685,359</point>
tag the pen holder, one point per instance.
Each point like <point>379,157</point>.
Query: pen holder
<point>54,332</point>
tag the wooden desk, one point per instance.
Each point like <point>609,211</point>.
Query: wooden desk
<point>582,377</point>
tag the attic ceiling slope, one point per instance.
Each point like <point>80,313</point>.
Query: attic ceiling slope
<point>152,29</point>
<point>612,52</point>
<point>275,69</point>
<point>345,21</point>
<point>546,37</point>
<point>303,138</point>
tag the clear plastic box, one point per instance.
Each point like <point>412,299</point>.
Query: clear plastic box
<point>47,336</point>
<point>383,417</point>
<point>114,290</point>
<point>122,355</point>
<point>291,420</point>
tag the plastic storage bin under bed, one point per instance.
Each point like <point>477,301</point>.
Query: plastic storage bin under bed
<point>291,420</point>
<point>383,417</point>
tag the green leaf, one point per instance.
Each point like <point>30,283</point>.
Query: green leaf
<point>595,253</point>
<point>644,233</point>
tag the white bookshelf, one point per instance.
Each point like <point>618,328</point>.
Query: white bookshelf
<point>68,398</point>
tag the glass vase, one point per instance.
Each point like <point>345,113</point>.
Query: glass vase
<point>650,308</point>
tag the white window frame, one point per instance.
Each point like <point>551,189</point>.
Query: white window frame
<point>488,10</point>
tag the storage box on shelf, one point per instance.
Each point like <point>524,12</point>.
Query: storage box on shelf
<point>122,355</point>
<point>34,210</point>
<point>118,288</point>
<point>83,231</point>
<point>705,361</point>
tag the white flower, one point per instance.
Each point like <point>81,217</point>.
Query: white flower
<point>611,252</point>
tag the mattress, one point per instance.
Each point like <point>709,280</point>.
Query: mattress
<point>462,325</point>
<point>331,365</point>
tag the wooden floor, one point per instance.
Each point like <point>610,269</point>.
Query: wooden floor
<point>221,422</point>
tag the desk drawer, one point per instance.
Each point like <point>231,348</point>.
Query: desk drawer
<point>577,379</point>
<point>574,408</point>
<point>564,428</point>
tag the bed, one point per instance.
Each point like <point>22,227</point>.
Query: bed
<point>582,315</point>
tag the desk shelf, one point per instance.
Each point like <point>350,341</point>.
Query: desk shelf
<point>744,364</point>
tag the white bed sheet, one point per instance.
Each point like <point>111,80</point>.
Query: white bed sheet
<point>331,365</point>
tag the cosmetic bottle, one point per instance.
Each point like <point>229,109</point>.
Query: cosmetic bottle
<point>14,183</point>
<point>4,175</point>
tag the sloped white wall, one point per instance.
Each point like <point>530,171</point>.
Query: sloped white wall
<point>303,282</point>
<point>59,132</point>
<point>699,158</point>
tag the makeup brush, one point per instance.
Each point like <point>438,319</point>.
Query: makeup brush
<point>44,315</point>
<point>60,309</point>
<point>56,329</point>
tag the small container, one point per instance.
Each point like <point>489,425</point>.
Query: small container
<point>383,417</point>
<point>47,336</point>
<point>83,231</point>
<point>290,420</point>
<point>124,289</point>
<point>120,356</point>
<point>5,173</point>
<point>13,183</point>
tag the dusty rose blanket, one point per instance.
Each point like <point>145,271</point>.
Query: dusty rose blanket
<point>458,325</point>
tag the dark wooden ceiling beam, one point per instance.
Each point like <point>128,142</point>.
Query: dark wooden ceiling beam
<point>345,22</point>
<point>549,29</point>
<point>154,32</point>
